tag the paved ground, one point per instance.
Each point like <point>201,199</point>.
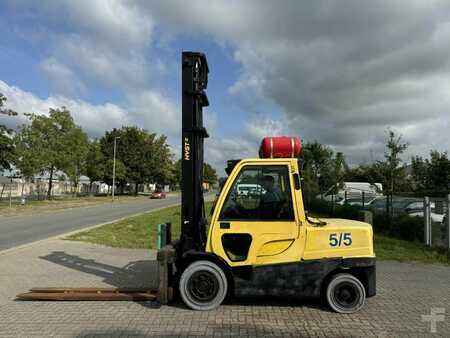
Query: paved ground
<point>17,230</point>
<point>405,293</point>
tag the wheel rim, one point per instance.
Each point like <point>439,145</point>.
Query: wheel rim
<point>203,286</point>
<point>346,295</point>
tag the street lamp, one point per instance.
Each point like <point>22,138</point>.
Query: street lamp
<point>114,167</point>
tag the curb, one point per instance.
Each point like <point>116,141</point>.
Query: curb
<point>91,227</point>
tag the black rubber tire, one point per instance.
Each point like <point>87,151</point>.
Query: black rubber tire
<point>203,279</point>
<point>345,293</point>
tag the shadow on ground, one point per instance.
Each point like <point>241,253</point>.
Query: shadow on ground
<point>138,274</point>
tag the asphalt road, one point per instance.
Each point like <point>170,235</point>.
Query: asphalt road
<point>23,229</point>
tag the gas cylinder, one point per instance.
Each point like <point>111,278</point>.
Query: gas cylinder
<point>280,147</point>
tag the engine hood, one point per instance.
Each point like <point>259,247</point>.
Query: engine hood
<point>336,237</point>
<point>339,222</point>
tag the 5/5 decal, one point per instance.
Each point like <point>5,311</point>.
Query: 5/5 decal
<point>341,239</point>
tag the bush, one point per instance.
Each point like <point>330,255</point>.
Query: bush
<point>321,207</point>
<point>401,226</point>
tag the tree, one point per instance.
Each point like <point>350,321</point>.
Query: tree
<point>50,143</point>
<point>419,174</point>
<point>95,163</point>
<point>394,148</point>
<point>390,172</point>
<point>7,151</point>
<point>209,174</point>
<point>146,156</point>
<point>439,172</point>
<point>120,173</point>
<point>176,173</point>
<point>321,170</point>
<point>161,160</point>
<point>373,173</point>
<point>431,176</point>
<point>79,144</point>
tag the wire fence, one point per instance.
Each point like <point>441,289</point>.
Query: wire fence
<point>401,215</point>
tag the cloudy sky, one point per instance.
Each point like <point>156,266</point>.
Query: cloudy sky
<point>340,72</point>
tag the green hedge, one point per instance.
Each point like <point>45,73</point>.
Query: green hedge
<point>401,226</point>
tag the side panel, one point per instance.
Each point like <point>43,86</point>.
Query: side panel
<point>299,279</point>
<point>339,238</point>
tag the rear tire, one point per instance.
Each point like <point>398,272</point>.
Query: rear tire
<point>203,286</point>
<point>345,293</point>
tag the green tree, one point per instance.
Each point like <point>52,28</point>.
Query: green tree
<point>390,172</point>
<point>161,161</point>
<point>373,173</point>
<point>146,156</point>
<point>321,169</point>
<point>50,143</point>
<point>395,173</point>
<point>419,174</point>
<point>95,163</point>
<point>121,172</point>
<point>7,149</point>
<point>79,144</point>
<point>176,173</point>
<point>209,174</point>
<point>439,172</point>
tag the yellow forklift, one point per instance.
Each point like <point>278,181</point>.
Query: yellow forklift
<point>259,241</point>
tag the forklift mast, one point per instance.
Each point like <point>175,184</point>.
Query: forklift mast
<point>193,221</point>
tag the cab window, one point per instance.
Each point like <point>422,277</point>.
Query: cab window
<point>259,193</point>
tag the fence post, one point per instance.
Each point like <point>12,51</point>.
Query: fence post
<point>447,224</point>
<point>387,206</point>
<point>332,204</point>
<point>426,219</point>
<point>161,236</point>
<point>10,193</point>
<point>168,233</point>
<point>391,210</point>
<point>345,197</point>
<point>363,199</point>
<point>164,234</point>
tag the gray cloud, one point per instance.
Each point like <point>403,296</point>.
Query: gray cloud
<point>341,72</point>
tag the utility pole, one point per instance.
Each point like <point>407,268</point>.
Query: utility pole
<point>10,191</point>
<point>114,168</point>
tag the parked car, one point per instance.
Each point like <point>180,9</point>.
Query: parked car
<point>411,206</point>
<point>435,218</point>
<point>357,201</point>
<point>416,209</point>
<point>399,204</point>
<point>158,195</point>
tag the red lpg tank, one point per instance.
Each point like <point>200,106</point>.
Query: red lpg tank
<point>280,147</point>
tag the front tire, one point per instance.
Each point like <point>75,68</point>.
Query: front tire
<point>203,286</point>
<point>345,293</point>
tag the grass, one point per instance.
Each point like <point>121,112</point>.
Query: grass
<point>58,203</point>
<point>137,231</point>
<point>140,232</point>
<point>133,232</point>
<point>388,248</point>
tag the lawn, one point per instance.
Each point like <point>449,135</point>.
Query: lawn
<point>399,250</point>
<point>58,203</point>
<point>140,232</point>
<point>133,232</point>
